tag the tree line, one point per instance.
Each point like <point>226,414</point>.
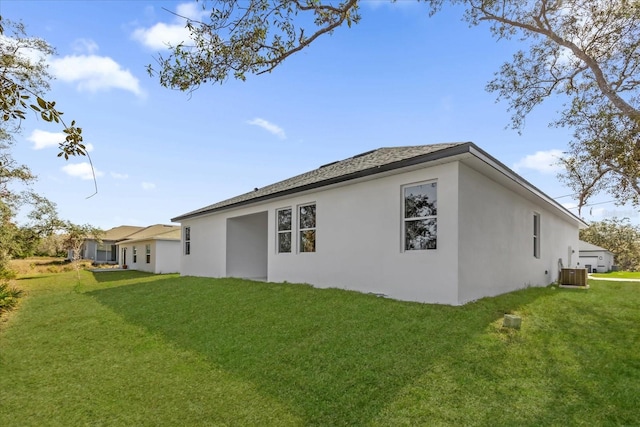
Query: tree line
<point>24,82</point>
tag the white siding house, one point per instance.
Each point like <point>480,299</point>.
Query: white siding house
<point>154,249</point>
<point>594,258</point>
<point>443,223</point>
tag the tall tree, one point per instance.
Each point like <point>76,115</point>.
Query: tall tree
<point>24,81</point>
<point>74,240</point>
<point>585,51</point>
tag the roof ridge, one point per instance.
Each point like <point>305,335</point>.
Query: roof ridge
<point>365,164</point>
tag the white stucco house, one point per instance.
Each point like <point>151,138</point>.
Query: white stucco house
<point>154,249</point>
<point>595,258</point>
<point>104,250</point>
<point>442,223</point>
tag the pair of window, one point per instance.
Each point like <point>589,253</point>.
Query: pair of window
<point>306,228</point>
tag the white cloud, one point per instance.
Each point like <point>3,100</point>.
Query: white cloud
<point>117,175</point>
<point>545,162</point>
<point>22,54</point>
<point>81,170</point>
<point>85,46</point>
<point>269,127</point>
<point>148,186</point>
<point>43,139</point>
<point>160,35</point>
<point>190,10</point>
<point>94,73</point>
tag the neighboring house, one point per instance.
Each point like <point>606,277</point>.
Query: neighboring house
<point>443,223</point>
<point>594,258</point>
<point>105,251</point>
<point>155,249</point>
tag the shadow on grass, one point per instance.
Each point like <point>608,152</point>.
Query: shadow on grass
<point>34,276</point>
<point>118,275</point>
<point>335,357</point>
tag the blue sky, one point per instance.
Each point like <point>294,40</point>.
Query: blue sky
<point>397,78</point>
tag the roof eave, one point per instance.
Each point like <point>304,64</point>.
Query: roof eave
<point>425,158</point>
<point>507,172</point>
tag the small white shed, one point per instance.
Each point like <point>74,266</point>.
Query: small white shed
<point>595,258</point>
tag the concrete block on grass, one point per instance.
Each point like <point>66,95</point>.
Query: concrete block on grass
<point>512,321</point>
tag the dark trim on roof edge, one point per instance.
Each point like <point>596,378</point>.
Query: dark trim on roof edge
<point>523,182</point>
<point>429,157</point>
<point>463,148</point>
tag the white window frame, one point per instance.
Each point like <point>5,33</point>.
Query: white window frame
<point>405,219</point>
<point>147,250</point>
<point>187,240</point>
<point>536,235</point>
<point>302,230</point>
<point>135,254</point>
<point>289,231</point>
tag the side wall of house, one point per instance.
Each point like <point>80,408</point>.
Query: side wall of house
<point>167,256</point>
<point>359,240</point>
<point>207,257</point>
<point>497,239</point>
<point>139,259</point>
<point>360,244</point>
<point>159,254</point>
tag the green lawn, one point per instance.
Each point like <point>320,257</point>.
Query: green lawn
<point>619,275</point>
<point>132,349</point>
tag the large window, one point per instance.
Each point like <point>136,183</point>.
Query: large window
<point>187,240</point>
<point>148,253</point>
<point>307,227</point>
<point>536,235</point>
<point>284,230</point>
<point>420,222</point>
<point>106,252</point>
<point>135,255</point>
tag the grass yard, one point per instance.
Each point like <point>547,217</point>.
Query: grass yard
<point>618,275</point>
<point>126,348</point>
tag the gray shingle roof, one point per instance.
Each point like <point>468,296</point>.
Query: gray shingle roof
<point>369,163</point>
<point>154,232</point>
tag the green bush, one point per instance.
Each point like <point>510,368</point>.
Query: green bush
<point>8,296</point>
<point>7,273</point>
